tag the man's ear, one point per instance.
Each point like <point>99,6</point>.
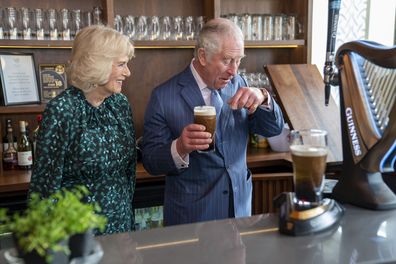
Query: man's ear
<point>202,56</point>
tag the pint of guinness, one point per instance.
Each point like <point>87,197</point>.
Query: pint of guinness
<point>206,115</point>
<point>309,153</point>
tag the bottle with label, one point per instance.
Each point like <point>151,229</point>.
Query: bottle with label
<point>25,158</point>
<point>10,160</point>
<point>35,133</point>
<point>5,138</point>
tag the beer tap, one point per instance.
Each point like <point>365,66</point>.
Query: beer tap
<point>329,72</point>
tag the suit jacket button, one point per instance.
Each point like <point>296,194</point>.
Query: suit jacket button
<point>225,192</point>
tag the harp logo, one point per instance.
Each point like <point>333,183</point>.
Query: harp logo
<point>352,132</point>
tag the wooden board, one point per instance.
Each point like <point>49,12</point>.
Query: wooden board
<point>299,89</point>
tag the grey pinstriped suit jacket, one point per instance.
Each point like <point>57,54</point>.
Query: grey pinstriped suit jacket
<point>200,192</point>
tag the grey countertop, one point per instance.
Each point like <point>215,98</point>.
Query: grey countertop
<point>364,236</point>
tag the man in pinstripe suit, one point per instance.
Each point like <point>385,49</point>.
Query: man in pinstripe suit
<point>213,185</point>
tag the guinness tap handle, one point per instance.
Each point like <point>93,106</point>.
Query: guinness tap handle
<point>328,71</point>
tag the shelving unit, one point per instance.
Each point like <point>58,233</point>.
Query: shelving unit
<point>157,61</point>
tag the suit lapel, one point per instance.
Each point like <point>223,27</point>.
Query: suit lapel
<point>189,90</point>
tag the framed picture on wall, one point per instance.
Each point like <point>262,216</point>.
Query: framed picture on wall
<point>18,79</point>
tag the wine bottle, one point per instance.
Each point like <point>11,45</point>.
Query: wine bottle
<point>5,138</point>
<point>10,161</point>
<point>25,159</point>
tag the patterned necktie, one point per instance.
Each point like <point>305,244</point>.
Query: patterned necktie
<point>217,102</point>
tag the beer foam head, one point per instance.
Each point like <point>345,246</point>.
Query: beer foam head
<point>204,110</point>
<point>308,151</point>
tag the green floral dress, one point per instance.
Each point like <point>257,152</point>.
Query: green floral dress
<point>79,144</point>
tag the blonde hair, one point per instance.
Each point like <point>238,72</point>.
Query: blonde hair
<point>94,50</point>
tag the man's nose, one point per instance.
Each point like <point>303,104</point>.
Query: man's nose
<point>232,68</point>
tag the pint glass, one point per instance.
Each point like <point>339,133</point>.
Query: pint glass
<point>206,115</point>
<point>309,153</point>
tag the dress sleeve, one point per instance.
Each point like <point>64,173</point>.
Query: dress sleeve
<point>51,148</point>
<point>131,169</point>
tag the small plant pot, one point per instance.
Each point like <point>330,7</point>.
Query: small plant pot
<point>32,257</point>
<point>82,244</point>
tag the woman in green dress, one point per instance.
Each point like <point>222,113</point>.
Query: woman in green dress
<point>87,135</point>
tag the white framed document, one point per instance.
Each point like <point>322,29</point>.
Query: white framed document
<point>18,79</point>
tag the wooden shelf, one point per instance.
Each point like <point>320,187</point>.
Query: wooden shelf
<point>144,44</point>
<point>22,109</point>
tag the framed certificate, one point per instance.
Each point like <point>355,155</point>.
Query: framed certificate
<point>18,79</point>
<point>52,80</point>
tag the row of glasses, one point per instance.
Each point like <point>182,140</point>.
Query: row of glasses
<point>159,27</point>
<point>259,27</point>
<point>24,23</point>
<point>255,79</point>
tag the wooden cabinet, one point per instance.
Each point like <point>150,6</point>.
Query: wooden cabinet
<point>156,61</point>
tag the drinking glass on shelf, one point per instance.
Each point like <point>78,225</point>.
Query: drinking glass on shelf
<point>25,23</point>
<point>87,19</point>
<point>11,23</point>
<point>129,26</point>
<point>165,28</point>
<point>189,28</point>
<point>97,15</point>
<point>177,28</point>
<point>65,24</point>
<point>1,23</point>
<point>52,24</point>
<point>268,27</point>
<point>257,27</point>
<point>77,23</point>
<point>118,25</point>
<point>278,27</point>
<point>153,28</point>
<point>39,23</point>
<point>245,24</point>
<point>141,28</point>
<point>290,27</point>
<point>199,23</point>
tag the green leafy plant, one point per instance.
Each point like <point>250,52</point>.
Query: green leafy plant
<point>46,223</point>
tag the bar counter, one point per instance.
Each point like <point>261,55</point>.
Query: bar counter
<point>364,236</point>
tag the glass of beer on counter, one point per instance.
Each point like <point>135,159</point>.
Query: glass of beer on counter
<point>206,115</point>
<point>309,153</point>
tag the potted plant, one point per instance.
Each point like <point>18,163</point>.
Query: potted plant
<point>80,220</point>
<point>42,231</point>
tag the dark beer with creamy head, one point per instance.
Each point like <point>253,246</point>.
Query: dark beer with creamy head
<point>206,115</point>
<point>309,166</point>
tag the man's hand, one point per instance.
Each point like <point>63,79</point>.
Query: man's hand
<point>193,137</point>
<point>247,97</point>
